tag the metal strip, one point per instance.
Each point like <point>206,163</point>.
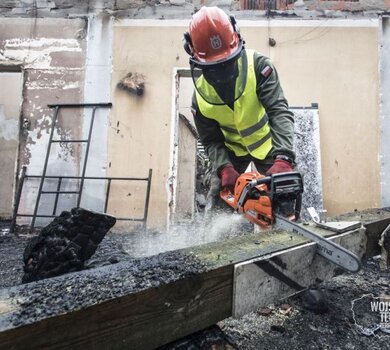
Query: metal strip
<point>63,141</point>
<point>86,156</point>
<point>78,105</point>
<point>57,194</point>
<point>273,271</point>
<point>90,177</point>
<point>44,167</point>
<point>60,192</point>
<point>147,198</point>
<point>107,195</point>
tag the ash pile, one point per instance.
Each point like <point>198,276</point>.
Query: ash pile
<point>65,244</point>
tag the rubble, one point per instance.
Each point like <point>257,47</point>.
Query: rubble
<point>65,244</point>
<point>347,322</point>
<point>336,328</point>
<point>384,243</point>
<point>93,286</point>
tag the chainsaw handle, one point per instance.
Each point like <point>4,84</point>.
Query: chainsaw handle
<point>275,179</point>
<point>290,182</point>
<point>264,180</point>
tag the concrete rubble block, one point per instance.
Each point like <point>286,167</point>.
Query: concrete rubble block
<point>65,244</point>
<point>384,244</point>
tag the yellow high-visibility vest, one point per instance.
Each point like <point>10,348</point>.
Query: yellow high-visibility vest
<point>245,128</point>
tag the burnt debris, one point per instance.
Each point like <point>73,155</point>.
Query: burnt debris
<point>65,244</point>
<point>212,338</point>
<point>75,291</point>
<point>133,83</point>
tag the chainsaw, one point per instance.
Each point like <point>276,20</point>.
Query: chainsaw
<point>276,201</point>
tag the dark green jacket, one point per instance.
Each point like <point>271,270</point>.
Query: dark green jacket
<point>281,120</point>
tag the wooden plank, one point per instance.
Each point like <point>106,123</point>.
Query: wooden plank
<point>141,318</point>
<point>265,280</point>
<point>339,226</point>
<point>247,247</point>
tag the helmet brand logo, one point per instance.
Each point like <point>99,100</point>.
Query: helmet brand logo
<point>216,42</point>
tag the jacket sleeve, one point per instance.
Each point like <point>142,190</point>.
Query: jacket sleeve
<point>270,94</point>
<point>211,137</point>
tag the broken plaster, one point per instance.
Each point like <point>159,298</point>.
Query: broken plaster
<point>36,53</point>
<point>9,129</point>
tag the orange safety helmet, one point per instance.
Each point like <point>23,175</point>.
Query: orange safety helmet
<point>213,37</point>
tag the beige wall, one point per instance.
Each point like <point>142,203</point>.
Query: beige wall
<point>337,67</point>
<point>333,63</point>
<point>143,141</point>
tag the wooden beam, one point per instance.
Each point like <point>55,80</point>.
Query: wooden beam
<point>151,311</point>
<point>142,320</point>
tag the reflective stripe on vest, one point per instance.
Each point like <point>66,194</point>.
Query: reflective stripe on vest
<point>246,129</point>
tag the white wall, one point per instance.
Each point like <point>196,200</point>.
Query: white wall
<point>384,155</point>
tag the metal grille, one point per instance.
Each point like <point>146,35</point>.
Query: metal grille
<point>81,178</point>
<point>258,4</point>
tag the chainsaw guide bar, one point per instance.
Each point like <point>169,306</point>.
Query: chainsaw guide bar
<point>275,201</point>
<point>325,247</point>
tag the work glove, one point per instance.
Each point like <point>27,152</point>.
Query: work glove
<point>281,165</point>
<point>228,177</point>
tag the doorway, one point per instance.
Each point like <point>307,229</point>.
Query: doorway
<point>188,160</point>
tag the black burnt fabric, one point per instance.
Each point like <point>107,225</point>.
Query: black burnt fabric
<point>65,244</point>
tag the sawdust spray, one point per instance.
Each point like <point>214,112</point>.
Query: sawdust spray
<point>201,230</point>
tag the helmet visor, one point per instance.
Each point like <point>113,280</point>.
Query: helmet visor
<point>221,83</point>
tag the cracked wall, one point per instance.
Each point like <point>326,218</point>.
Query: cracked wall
<point>69,60</point>
<point>171,9</point>
<point>314,62</point>
<point>51,54</point>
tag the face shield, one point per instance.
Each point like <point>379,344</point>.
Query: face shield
<point>221,83</point>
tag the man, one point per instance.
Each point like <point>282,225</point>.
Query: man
<point>239,108</point>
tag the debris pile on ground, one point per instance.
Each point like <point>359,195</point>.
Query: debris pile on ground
<point>346,319</point>
<point>384,243</point>
<point>65,244</point>
<point>212,338</point>
<point>348,322</point>
<point>11,258</point>
<point>75,291</point>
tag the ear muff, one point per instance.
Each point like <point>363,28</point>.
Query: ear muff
<point>187,44</point>
<point>235,25</point>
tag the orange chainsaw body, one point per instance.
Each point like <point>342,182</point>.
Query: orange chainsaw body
<point>258,207</point>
